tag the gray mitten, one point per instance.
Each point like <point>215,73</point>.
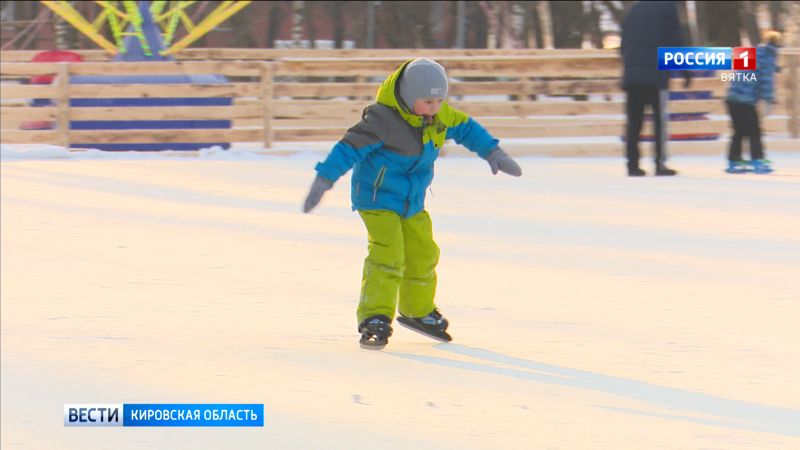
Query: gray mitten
<point>499,160</point>
<point>318,188</point>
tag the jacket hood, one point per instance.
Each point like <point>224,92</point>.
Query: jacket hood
<point>388,96</point>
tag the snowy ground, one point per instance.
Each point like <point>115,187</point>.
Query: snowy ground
<point>589,310</point>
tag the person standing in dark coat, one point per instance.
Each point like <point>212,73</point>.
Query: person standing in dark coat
<point>647,26</point>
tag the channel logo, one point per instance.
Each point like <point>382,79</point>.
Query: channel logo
<point>164,415</point>
<point>744,58</point>
<point>706,58</point>
<point>93,415</point>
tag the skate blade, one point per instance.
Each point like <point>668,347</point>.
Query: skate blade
<point>444,337</point>
<point>367,344</point>
<point>373,347</point>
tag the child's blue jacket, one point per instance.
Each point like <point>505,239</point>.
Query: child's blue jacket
<point>750,92</point>
<point>392,151</point>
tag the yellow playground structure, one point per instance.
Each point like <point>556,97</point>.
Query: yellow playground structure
<point>140,18</point>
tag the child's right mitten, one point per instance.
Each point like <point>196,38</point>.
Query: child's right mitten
<point>500,161</point>
<point>318,188</point>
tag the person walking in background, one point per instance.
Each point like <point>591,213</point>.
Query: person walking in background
<point>392,151</point>
<point>741,101</point>
<point>647,26</point>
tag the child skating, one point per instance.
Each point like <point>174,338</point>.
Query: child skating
<point>392,151</point>
<point>741,100</point>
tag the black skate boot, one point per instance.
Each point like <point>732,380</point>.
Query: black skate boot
<point>375,332</point>
<point>433,325</point>
<point>635,171</point>
<point>662,170</point>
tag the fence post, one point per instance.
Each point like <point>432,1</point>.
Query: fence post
<point>267,72</point>
<point>62,99</point>
<point>793,96</point>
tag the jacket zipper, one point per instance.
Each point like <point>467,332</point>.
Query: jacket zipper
<point>377,184</point>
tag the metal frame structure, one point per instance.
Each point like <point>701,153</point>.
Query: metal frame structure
<point>127,15</point>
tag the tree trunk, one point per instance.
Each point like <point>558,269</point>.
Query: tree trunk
<point>242,24</point>
<point>529,30</point>
<point>478,30</point>
<point>792,38</point>
<point>546,20</point>
<point>435,31</point>
<point>297,23</point>
<point>8,14</point>
<point>406,24</point>
<point>567,24</point>
<point>747,14</point>
<point>461,24</point>
<point>308,20</point>
<point>593,25</point>
<point>719,23</point>
<point>338,24</point>
<point>776,11</point>
<point>692,36</point>
<point>490,11</point>
<point>61,31</point>
<point>516,25</point>
<point>275,20</point>
<point>618,14</point>
<point>370,41</point>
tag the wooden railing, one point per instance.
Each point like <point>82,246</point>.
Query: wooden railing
<point>270,54</point>
<point>251,82</point>
<point>532,93</point>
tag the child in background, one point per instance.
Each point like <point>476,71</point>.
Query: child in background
<point>392,151</point>
<point>741,100</point>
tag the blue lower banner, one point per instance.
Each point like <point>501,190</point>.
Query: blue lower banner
<point>164,415</point>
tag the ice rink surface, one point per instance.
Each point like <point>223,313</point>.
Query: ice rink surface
<point>589,310</point>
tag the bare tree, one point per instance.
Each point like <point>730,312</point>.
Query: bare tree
<point>461,24</point>
<point>592,28</point>
<point>308,20</point>
<point>506,22</point>
<point>689,13</point>
<point>567,24</point>
<point>406,24</point>
<point>61,28</point>
<point>370,42</point>
<point>478,28</point>
<point>546,19</point>
<point>776,11</point>
<point>335,12</point>
<point>533,30</point>
<point>298,8</point>
<point>618,14</point>
<point>747,14</point>
<point>436,24</point>
<point>719,23</point>
<point>792,38</point>
<point>491,10</point>
<point>276,16</point>
<point>242,24</point>
<point>517,26</point>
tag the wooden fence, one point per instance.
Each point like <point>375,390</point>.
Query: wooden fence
<point>277,97</point>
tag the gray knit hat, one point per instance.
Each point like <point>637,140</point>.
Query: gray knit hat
<point>422,78</point>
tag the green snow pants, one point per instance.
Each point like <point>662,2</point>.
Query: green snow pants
<point>402,260</point>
